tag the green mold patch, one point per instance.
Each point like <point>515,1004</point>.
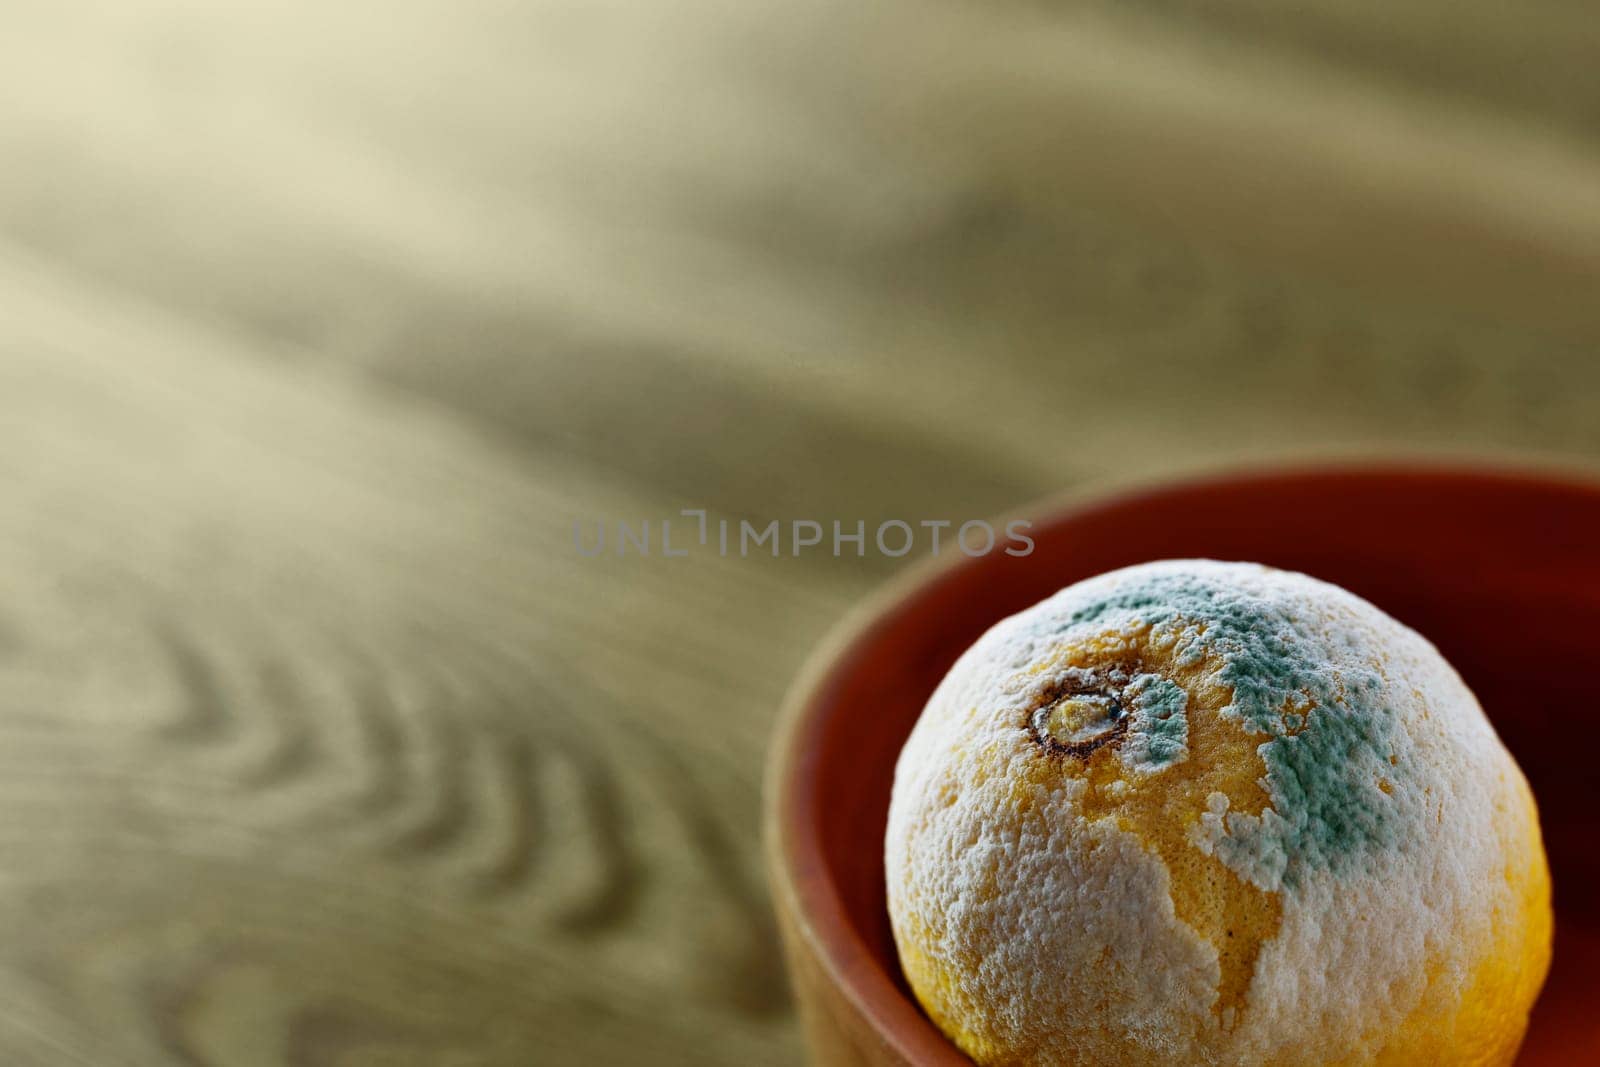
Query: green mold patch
<point>1318,705</point>
<point>1159,734</point>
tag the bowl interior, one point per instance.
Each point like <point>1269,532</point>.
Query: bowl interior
<point>1500,570</point>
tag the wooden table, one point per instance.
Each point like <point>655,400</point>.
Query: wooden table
<point>321,326</point>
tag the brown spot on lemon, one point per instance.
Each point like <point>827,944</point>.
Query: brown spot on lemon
<point>1077,723</point>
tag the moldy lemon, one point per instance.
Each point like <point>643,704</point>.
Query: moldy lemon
<point>1215,813</point>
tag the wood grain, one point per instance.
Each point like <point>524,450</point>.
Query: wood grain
<point>319,741</point>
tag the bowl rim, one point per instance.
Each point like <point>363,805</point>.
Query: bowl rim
<point>797,871</point>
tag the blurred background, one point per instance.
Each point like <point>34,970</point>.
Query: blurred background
<point>322,324</point>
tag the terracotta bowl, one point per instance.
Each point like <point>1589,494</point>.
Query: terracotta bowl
<point>1500,569</point>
